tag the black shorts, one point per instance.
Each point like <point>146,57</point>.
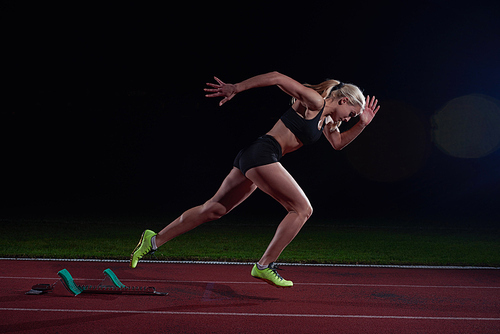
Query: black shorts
<point>265,150</point>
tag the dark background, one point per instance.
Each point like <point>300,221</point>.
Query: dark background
<point>103,111</point>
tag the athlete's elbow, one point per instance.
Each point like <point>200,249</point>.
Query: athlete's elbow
<point>340,147</point>
<point>338,143</point>
<point>337,146</point>
<point>276,77</point>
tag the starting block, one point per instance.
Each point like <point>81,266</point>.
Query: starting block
<point>110,285</point>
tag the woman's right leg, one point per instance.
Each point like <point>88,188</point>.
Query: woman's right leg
<point>274,180</point>
<point>234,189</point>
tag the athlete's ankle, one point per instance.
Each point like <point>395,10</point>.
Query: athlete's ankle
<point>261,267</point>
<point>153,243</point>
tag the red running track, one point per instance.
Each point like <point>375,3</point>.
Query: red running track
<point>226,299</point>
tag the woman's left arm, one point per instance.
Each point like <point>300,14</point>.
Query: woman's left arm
<point>340,140</point>
<point>307,96</point>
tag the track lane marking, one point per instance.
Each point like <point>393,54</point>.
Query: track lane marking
<point>252,282</point>
<point>389,266</point>
<point>245,314</point>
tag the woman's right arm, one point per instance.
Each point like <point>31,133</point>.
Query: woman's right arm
<point>340,140</point>
<point>306,95</point>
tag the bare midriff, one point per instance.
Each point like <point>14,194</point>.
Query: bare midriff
<point>288,141</point>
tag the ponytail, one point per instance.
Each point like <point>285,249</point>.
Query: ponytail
<point>336,89</point>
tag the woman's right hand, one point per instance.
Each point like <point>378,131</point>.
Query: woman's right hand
<point>370,111</point>
<point>228,91</point>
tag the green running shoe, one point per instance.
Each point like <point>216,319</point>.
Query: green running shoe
<point>271,276</point>
<point>143,248</point>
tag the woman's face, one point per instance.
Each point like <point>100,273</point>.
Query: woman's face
<point>344,111</point>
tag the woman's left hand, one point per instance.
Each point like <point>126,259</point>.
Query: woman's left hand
<point>371,109</point>
<point>228,91</point>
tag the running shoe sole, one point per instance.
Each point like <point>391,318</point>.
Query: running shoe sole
<point>256,273</point>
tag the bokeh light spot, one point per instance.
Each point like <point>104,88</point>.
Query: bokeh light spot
<point>468,126</point>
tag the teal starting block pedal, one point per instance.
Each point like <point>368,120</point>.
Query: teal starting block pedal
<point>110,285</point>
<point>69,283</point>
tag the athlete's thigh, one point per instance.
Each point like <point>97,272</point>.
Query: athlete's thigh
<point>234,189</point>
<point>275,180</point>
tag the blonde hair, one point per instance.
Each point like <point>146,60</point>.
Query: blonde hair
<point>352,92</point>
<point>330,89</point>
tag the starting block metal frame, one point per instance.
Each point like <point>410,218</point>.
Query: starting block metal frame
<point>110,285</point>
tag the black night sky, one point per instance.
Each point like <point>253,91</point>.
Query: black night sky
<point>103,110</point>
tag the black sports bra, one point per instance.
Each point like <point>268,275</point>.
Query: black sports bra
<point>305,130</point>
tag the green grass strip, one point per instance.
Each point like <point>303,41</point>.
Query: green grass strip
<point>238,241</point>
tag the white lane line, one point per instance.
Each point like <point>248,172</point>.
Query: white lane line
<point>403,286</point>
<point>399,266</point>
<point>358,316</point>
<point>411,286</point>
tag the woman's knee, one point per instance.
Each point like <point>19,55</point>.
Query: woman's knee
<point>304,210</point>
<point>307,211</point>
<point>213,210</point>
